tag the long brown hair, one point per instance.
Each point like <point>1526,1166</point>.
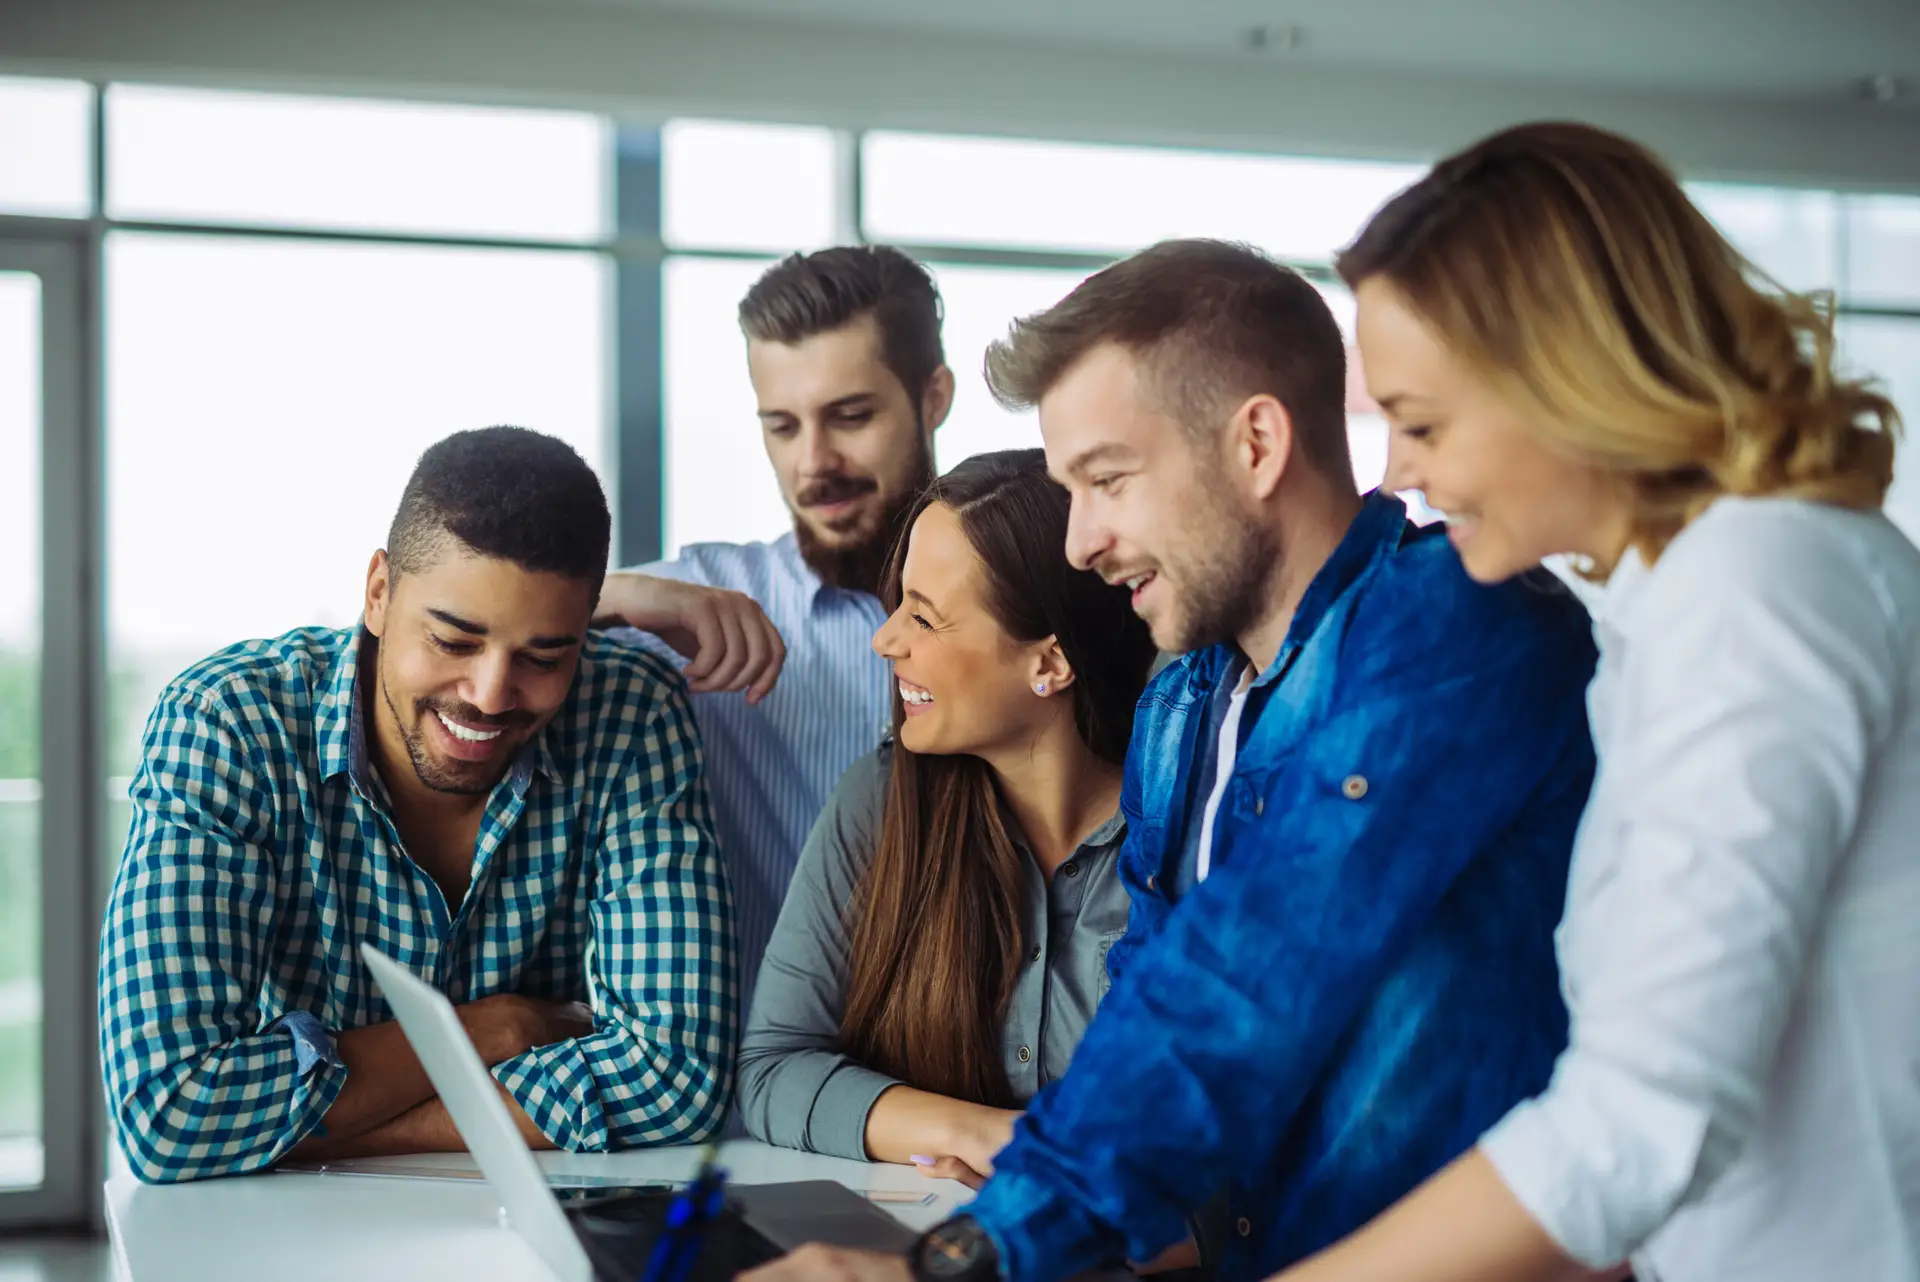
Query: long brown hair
<point>937,918</point>
<point>1566,264</point>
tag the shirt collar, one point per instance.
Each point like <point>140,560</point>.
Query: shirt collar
<point>1375,534</point>
<point>1111,831</point>
<point>1613,611</point>
<point>341,727</point>
<point>818,593</point>
<point>338,724</point>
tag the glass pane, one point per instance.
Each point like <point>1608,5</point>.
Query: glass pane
<point>981,303</point>
<point>1883,251</point>
<point>21,1158</point>
<point>719,486</point>
<point>1889,349</point>
<point>924,189</point>
<point>768,188</point>
<point>46,147</point>
<point>1791,235</point>
<point>192,155</point>
<point>266,402</point>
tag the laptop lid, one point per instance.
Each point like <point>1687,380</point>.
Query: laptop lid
<point>473,1099</point>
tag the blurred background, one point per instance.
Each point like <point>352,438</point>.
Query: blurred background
<point>256,254</point>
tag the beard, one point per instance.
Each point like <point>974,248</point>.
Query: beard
<point>1223,583</point>
<point>473,781</point>
<point>859,566</point>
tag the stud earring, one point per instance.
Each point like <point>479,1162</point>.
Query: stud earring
<point>1041,688</point>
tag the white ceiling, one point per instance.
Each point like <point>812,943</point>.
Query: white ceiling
<point>1778,49</point>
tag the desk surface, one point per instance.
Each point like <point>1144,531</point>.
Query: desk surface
<point>366,1228</point>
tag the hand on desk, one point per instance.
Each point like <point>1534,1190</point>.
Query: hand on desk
<point>818,1263</point>
<point>945,1138</point>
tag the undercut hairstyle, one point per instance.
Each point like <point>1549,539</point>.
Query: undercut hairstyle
<point>808,294</point>
<point>508,493</point>
<point>1211,324</point>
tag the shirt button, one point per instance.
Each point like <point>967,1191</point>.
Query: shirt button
<point>1036,954</point>
<point>1259,805</point>
<point>1244,1227</point>
<point>1072,870</point>
<point>1150,881</point>
<point>1354,788</point>
<point>1025,1054</point>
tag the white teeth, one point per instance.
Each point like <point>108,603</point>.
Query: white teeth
<point>1133,584</point>
<point>915,696</point>
<point>465,735</point>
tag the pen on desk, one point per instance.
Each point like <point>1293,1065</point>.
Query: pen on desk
<point>697,1205</point>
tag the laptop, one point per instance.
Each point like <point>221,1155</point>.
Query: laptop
<point>608,1235</point>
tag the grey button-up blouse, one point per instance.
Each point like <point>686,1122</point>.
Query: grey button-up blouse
<point>796,1088</point>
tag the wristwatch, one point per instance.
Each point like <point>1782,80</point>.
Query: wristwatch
<point>959,1250</point>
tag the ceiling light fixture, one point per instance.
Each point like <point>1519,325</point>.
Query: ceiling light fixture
<point>1885,87</point>
<point>1273,37</point>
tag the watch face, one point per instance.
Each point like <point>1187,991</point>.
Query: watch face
<point>953,1249</point>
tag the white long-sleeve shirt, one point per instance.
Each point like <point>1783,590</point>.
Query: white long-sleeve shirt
<point>1741,948</point>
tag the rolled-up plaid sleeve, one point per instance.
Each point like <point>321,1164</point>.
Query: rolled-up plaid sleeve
<point>195,1087</point>
<point>658,1067</point>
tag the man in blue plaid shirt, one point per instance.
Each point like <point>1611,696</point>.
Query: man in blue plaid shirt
<point>510,805</point>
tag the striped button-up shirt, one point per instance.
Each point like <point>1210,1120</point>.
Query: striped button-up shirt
<point>262,853</point>
<point>773,766</point>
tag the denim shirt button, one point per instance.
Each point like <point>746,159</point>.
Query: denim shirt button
<point>1036,954</point>
<point>1072,870</point>
<point>1354,788</point>
<point>1025,1054</point>
<point>1244,1227</point>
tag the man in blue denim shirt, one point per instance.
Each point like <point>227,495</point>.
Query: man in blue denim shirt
<point>1350,808</point>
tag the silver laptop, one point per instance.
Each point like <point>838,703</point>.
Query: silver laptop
<point>605,1236</point>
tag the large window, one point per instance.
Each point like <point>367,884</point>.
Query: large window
<point>928,190</point>
<point>189,156</point>
<point>718,484</point>
<point>20,858</point>
<point>46,148</point>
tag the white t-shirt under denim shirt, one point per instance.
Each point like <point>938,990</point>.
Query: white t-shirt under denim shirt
<point>1741,947</point>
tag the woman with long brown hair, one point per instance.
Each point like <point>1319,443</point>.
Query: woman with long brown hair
<point>1574,361</point>
<point>944,942</point>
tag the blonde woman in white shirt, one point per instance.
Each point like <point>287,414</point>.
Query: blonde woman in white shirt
<point>1574,361</point>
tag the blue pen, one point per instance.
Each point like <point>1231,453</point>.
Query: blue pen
<point>698,1205</point>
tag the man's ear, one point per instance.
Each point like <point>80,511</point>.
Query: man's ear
<point>380,577</point>
<point>1262,442</point>
<point>937,401</point>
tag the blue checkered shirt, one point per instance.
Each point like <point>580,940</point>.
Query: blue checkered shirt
<point>262,853</point>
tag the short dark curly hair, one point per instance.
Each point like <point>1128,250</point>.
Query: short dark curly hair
<point>509,493</point>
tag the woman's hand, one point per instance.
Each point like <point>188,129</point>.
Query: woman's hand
<point>981,1134</point>
<point>974,1136</point>
<point>949,1168</point>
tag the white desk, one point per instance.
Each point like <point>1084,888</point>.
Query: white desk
<point>357,1228</point>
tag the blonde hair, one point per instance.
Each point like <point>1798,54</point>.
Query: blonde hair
<point>1566,263</point>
